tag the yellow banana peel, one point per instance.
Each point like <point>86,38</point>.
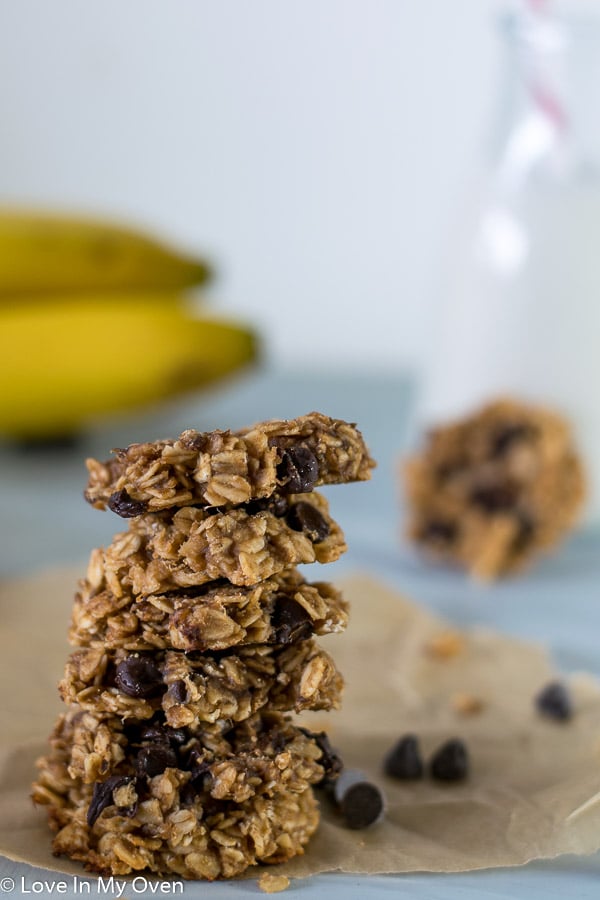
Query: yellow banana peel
<point>43,253</point>
<point>64,362</point>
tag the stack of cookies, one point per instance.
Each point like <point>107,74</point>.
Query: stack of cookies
<point>195,635</point>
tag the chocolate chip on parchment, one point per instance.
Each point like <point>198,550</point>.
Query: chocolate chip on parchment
<point>102,795</point>
<point>360,801</point>
<point>290,621</point>
<point>450,762</point>
<point>298,470</point>
<point>125,506</point>
<point>404,760</point>
<point>138,676</point>
<point>305,517</point>
<point>554,701</point>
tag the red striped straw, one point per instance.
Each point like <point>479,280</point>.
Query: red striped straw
<point>543,95</point>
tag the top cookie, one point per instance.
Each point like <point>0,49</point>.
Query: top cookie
<point>229,468</point>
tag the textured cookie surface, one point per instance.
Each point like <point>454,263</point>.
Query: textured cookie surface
<point>200,803</point>
<point>161,552</point>
<point>190,688</point>
<point>279,610</point>
<point>493,490</point>
<point>223,468</point>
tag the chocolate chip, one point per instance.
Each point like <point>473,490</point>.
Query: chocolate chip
<point>298,471</point>
<point>138,676</point>
<point>102,795</point>
<point>154,733</point>
<point>507,437</point>
<point>305,517</point>
<point>275,504</point>
<point>125,506</point>
<point>404,759</point>
<point>450,762</point>
<point>178,691</point>
<point>176,736</point>
<point>278,505</point>
<point>187,794</point>
<point>200,773</point>
<point>155,759</point>
<point>359,800</point>
<point>554,701</point>
<point>438,530</point>
<point>330,760</point>
<point>494,498</point>
<point>525,532</point>
<point>290,621</point>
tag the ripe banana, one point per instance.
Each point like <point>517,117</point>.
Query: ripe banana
<point>64,361</point>
<point>50,253</point>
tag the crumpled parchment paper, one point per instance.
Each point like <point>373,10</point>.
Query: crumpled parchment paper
<point>533,788</point>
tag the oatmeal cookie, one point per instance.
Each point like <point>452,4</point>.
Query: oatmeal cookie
<point>164,551</point>
<point>198,803</point>
<point>191,688</point>
<point>166,802</point>
<point>279,610</point>
<point>222,761</point>
<point>491,491</point>
<point>225,468</point>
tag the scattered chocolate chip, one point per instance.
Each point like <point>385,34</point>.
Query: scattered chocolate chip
<point>494,498</point>
<point>290,621</point>
<point>330,760</point>
<point>507,437</point>
<point>298,470</point>
<point>404,759</point>
<point>125,506</point>
<point>305,517</point>
<point>102,795</point>
<point>138,676</point>
<point>438,530</point>
<point>450,762</point>
<point>554,701</point>
<point>360,801</point>
<point>155,759</point>
<point>178,691</point>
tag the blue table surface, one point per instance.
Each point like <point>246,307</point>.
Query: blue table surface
<point>46,522</point>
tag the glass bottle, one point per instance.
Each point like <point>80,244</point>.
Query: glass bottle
<point>520,311</point>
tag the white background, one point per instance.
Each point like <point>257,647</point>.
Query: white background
<point>318,150</point>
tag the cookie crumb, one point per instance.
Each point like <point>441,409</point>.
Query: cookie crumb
<point>445,645</point>
<point>272,884</point>
<point>466,704</point>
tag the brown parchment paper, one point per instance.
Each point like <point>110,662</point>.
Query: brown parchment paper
<point>533,788</point>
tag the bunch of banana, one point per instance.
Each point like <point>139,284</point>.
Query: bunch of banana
<point>94,319</point>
